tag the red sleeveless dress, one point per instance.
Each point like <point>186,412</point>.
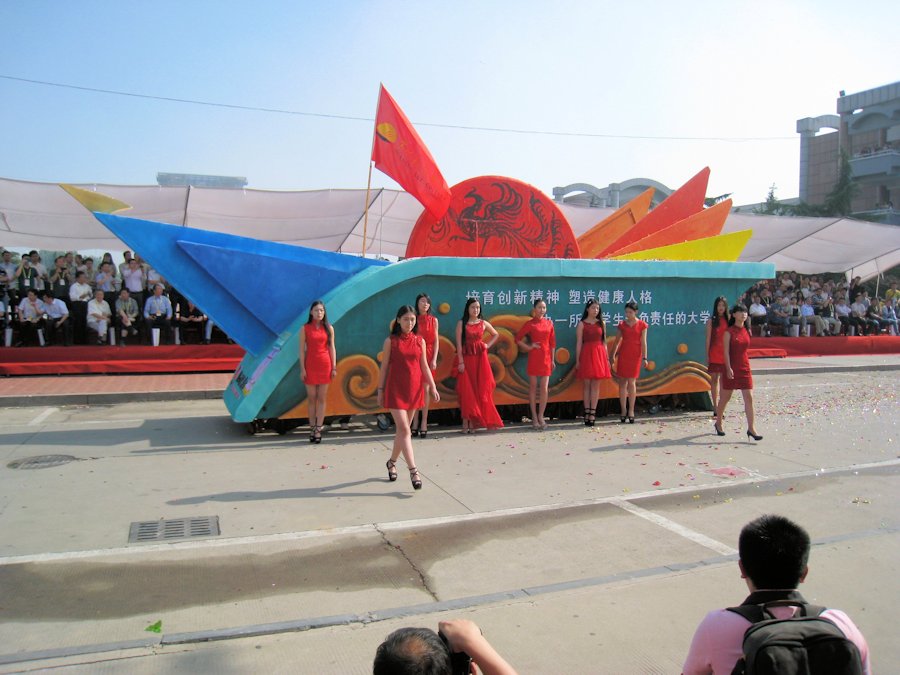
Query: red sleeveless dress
<point>540,361</point>
<point>403,386</point>
<point>475,386</point>
<point>740,362</point>
<point>318,359</point>
<point>716,356</point>
<point>427,326</point>
<point>593,364</point>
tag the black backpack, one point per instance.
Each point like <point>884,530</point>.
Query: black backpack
<point>805,644</point>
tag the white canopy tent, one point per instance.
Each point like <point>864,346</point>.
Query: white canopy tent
<point>43,216</point>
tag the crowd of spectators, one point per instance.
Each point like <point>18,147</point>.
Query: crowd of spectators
<point>820,305</point>
<point>74,301</point>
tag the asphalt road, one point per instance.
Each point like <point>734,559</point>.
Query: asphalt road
<point>577,550</point>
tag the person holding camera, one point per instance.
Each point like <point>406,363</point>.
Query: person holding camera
<point>456,649</point>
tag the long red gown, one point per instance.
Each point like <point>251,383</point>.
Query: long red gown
<point>540,360</point>
<point>403,386</point>
<point>318,358</point>
<point>628,364</point>
<point>593,364</point>
<point>427,327</point>
<point>475,386</point>
<point>740,362</point>
<point>716,356</point>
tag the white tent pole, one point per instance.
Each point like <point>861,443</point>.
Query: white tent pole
<point>366,213</point>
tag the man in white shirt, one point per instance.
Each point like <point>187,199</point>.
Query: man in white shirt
<point>759,314</point>
<point>57,319</point>
<point>31,317</point>
<point>134,279</point>
<point>98,316</point>
<point>40,282</point>
<point>80,293</point>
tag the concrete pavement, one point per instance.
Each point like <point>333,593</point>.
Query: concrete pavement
<point>570,547</point>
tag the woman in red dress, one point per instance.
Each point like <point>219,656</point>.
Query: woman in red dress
<point>541,349</point>
<point>475,380</point>
<point>403,373</point>
<point>591,358</point>
<point>427,327</point>
<point>716,327</point>
<point>631,347</point>
<point>737,370</point>
<point>318,365</point>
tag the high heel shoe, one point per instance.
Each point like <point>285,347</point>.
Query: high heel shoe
<point>719,431</point>
<point>392,470</point>
<point>631,419</point>
<point>753,436</point>
<point>622,419</point>
<point>423,433</point>
<point>318,436</point>
<point>414,478</point>
<point>588,413</point>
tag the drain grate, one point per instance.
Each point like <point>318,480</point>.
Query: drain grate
<point>176,528</point>
<point>41,462</point>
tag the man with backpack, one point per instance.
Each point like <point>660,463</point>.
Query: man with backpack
<point>774,630</point>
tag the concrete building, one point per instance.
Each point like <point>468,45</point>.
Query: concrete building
<point>612,196</point>
<point>867,128</point>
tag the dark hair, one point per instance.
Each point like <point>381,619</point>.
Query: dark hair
<point>774,552</point>
<point>584,315</point>
<point>715,312</point>
<point>465,317</point>
<point>325,323</point>
<point>404,309</point>
<point>419,297</point>
<point>631,305</point>
<point>412,651</point>
<point>739,308</point>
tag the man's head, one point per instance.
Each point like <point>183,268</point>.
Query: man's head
<point>32,295</point>
<point>124,294</point>
<point>98,295</point>
<point>81,278</point>
<point>412,651</point>
<point>7,256</point>
<point>47,297</point>
<point>158,290</point>
<point>773,552</point>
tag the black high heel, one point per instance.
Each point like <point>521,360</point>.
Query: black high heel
<point>414,478</point>
<point>318,436</point>
<point>312,431</point>
<point>423,433</point>
<point>622,419</point>
<point>392,470</point>
<point>587,414</point>
<point>631,419</point>
<point>719,431</point>
<point>753,436</point>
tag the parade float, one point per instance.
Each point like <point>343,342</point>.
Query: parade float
<point>492,237</point>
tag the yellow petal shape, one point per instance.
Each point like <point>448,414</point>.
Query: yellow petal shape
<point>722,248</point>
<point>95,201</point>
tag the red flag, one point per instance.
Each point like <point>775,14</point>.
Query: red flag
<point>398,151</point>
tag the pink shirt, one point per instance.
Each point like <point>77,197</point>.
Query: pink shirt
<point>717,643</point>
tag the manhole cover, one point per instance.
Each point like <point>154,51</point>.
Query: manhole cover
<point>177,528</point>
<point>41,462</point>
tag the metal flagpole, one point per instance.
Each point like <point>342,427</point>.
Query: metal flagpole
<point>366,213</point>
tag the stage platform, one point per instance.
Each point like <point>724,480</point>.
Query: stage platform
<point>781,347</point>
<point>80,360</point>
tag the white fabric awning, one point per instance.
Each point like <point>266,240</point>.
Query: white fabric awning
<point>43,216</point>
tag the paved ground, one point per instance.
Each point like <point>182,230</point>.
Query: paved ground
<point>570,547</point>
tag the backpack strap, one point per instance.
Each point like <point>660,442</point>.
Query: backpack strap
<point>755,607</point>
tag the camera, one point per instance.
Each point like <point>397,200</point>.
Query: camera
<point>460,661</point>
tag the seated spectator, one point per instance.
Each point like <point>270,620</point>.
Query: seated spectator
<point>773,553</point>
<point>889,315</point>
<point>793,310</point>
<point>158,312</point>
<point>421,651</point>
<point>858,318</point>
<point>99,316</point>
<point>875,320</point>
<point>31,318</point>
<point>57,319</point>
<point>829,316</point>
<point>127,314</point>
<point>759,316</point>
<point>189,318</point>
<point>780,315</point>
<point>808,315</point>
<point>845,315</point>
<point>80,294</point>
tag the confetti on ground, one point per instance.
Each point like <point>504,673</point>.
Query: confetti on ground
<point>729,472</point>
<point>656,483</point>
<point>860,500</point>
<point>155,627</point>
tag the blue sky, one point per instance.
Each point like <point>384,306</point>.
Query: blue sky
<point>653,69</point>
